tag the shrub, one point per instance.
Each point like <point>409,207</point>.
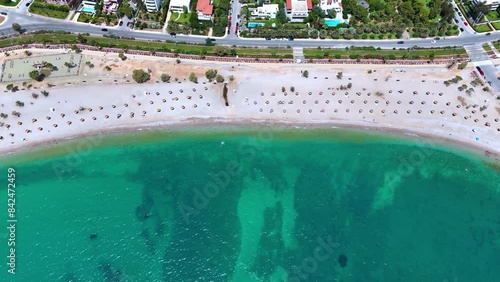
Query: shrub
<point>219,78</point>
<point>211,74</point>
<point>165,77</point>
<point>193,78</point>
<point>140,76</point>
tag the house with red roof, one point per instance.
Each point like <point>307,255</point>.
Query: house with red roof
<point>297,10</point>
<point>204,9</point>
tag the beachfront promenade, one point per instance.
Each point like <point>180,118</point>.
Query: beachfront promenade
<point>230,59</point>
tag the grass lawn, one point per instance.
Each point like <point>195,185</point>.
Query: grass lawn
<point>84,17</point>
<point>493,16</point>
<point>496,25</point>
<point>296,25</point>
<point>482,28</point>
<point>180,17</point>
<point>486,47</point>
<point>421,53</point>
<point>9,4</point>
<point>268,23</point>
<point>48,10</point>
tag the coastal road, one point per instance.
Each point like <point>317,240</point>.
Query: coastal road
<point>35,23</point>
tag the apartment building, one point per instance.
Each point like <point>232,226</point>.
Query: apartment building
<point>493,4</point>
<point>176,6</point>
<point>152,5</point>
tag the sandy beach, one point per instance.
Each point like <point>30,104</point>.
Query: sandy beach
<point>407,99</point>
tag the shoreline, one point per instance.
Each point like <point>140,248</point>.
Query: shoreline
<point>478,150</point>
<point>386,98</point>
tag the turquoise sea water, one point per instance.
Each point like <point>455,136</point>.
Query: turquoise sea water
<point>253,205</point>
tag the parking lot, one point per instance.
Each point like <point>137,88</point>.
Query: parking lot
<point>19,69</point>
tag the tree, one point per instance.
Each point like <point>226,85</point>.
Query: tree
<point>10,86</point>
<point>81,38</point>
<point>479,10</point>
<point>193,78</point>
<point>340,75</point>
<point>45,93</point>
<point>208,42</point>
<point>211,74</point>
<point>140,76</point>
<point>305,74</point>
<point>219,78</point>
<point>16,27</point>
<point>45,72</point>
<point>122,56</point>
<point>35,75</point>
<point>165,77</point>
<point>332,13</point>
<point>281,15</point>
<point>69,65</point>
<point>193,20</point>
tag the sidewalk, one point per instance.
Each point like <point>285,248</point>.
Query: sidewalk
<point>497,54</point>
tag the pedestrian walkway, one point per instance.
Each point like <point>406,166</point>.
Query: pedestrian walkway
<point>75,18</point>
<point>478,55</point>
<point>164,29</point>
<point>497,54</point>
<point>298,54</point>
<point>70,15</point>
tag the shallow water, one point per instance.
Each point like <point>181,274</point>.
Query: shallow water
<point>253,205</point>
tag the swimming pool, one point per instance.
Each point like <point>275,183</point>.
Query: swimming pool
<point>333,22</point>
<point>88,9</point>
<point>252,25</point>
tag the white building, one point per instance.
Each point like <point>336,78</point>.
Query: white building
<point>297,10</point>
<point>266,11</point>
<point>493,4</point>
<point>152,5</point>
<point>176,6</point>
<point>326,5</point>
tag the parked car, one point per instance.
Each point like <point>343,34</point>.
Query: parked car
<point>437,38</point>
<point>173,34</point>
<point>461,29</point>
<point>456,9</point>
<point>466,24</point>
<point>401,42</point>
<point>489,33</point>
<point>104,29</point>
<point>4,13</point>
<point>238,16</point>
<point>212,39</point>
<point>290,39</point>
<point>480,71</point>
<point>456,21</point>
<point>121,23</point>
<point>27,4</point>
<point>268,38</point>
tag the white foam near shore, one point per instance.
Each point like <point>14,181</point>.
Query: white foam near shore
<point>414,101</point>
